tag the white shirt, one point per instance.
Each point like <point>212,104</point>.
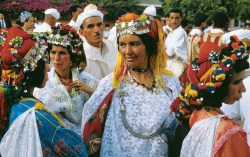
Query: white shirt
<point>195,31</point>
<point>208,28</point>
<point>241,33</point>
<point>177,43</point>
<point>73,24</point>
<point>100,61</point>
<point>43,27</point>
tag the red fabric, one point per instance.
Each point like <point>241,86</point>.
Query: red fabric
<point>28,43</point>
<point>4,110</point>
<point>94,127</point>
<point>194,76</point>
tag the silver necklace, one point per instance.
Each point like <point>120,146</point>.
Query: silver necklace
<point>129,128</point>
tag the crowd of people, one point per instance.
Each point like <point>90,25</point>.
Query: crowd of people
<point>137,89</point>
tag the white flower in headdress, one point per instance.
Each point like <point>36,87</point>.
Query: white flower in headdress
<point>123,25</point>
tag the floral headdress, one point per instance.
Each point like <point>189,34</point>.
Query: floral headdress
<point>67,36</point>
<point>140,25</point>
<point>207,73</point>
<point>131,23</point>
<point>3,35</point>
<point>19,55</point>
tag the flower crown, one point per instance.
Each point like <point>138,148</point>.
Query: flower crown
<point>67,36</point>
<point>140,25</point>
<point>192,95</point>
<point>29,61</point>
<point>3,35</point>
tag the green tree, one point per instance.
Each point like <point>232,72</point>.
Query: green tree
<point>234,8</point>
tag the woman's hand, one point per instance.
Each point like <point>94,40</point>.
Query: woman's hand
<point>79,85</point>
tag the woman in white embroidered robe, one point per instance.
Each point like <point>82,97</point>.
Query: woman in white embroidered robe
<point>135,98</point>
<point>68,87</point>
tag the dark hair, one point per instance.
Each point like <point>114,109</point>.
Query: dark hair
<point>247,24</point>
<point>107,25</point>
<point>167,14</point>
<point>119,13</point>
<point>34,78</point>
<point>18,22</point>
<point>199,18</point>
<point>220,20</point>
<point>176,10</point>
<point>209,22</point>
<point>73,8</point>
<point>185,22</point>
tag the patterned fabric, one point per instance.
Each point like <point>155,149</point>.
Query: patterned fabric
<point>56,140</point>
<point>200,139</point>
<point>145,113</point>
<point>94,127</point>
<point>70,105</point>
<point>22,134</point>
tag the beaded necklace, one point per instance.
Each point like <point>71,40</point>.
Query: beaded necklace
<point>151,87</point>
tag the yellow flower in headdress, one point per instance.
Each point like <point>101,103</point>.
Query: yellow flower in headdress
<point>193,93</point>
<point>220,77</point>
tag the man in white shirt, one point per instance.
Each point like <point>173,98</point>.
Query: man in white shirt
<point>100,54</point>
<point>75,10</point>
<point>176,42</point>
<point>51,17</point>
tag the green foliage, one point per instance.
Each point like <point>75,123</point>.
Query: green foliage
<point>234,8</point>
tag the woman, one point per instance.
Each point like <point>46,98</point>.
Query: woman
<point>133,102</point>
<point>27,21</point>
<point>28,127</point>
<point>68,87</point>
<point>216,76</point>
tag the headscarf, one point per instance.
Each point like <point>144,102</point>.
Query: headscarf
<point>132,23</point>
<point>24,16</point>
<point>87,14</point>
<point>206,74</point>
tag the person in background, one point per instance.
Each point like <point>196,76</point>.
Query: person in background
<point>167,28</point>
<point>247,26</point>
<point>29,128</point>
<point>150,11</point>
<point>75,10</point>
<point>200,24</point>
<point>50,19</point>
<point>106,31</point>
<point>68,87</point>
<point>100,53</point>
<point>133,102</point>
<point>186,25</point>
<point>216,76</point>
<point>4,23</point>
<point>195,35</point>
<point>27,22</point>
<point>176,42</point>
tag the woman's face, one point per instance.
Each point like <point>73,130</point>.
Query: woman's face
<point>133,51</point>
<point>60,58</point>
<point>46,70</point>
<point>236,88</point>
<point>30,24</point>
